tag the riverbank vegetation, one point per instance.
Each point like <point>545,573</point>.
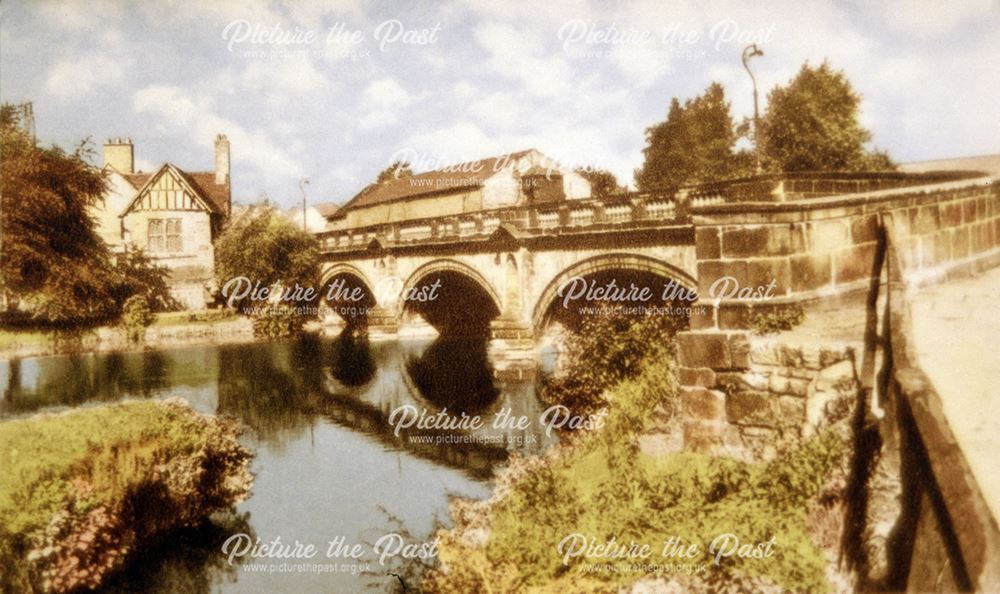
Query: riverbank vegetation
<point>600,486</point>
<point>261,251</point>
<point>55,270</point>
<point>81,491</point>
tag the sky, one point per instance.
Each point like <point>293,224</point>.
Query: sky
<point>335,91</point>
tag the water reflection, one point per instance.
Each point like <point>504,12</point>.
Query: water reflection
<point>328,463</point>
<point>189,562</point>
<point>454,373</point>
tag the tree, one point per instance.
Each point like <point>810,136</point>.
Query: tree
<point>603,183</point>
<point>267,251</point>
<point>396,170</point>
<point>695,144</point>
<point>138,275</point>
<point>812,125</point>
<point>53,263</point>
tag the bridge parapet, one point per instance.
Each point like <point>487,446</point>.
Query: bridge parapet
<point>633,209</point>
<point>819,250</point>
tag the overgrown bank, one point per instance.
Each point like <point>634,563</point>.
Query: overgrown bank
<point>600,486</point>
<point>83,490</point>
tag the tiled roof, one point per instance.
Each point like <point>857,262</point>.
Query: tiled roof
<point>216,195</point>
<point>456,178</point>
<point>327,209</point>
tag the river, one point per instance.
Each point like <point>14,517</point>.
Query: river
<point>328,466</point>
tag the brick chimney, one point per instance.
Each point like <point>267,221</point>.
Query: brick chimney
<point>221,159</point>
<point>120,154</point>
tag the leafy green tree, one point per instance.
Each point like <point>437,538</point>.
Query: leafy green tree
<point>603,183</point>
<point>396,170</point>
<point>52,262</point>
<point>269,250</point>
<point>695,144</point>
<point>812,125</point>
<point>138,275</point>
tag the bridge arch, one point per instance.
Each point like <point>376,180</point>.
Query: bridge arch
<point>341,268</point>
<point>353,312</point>
<point>454,266</point>
<point>607,263</point>
<point>464,303</point>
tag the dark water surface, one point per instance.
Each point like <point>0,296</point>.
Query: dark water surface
<point>328,464</point>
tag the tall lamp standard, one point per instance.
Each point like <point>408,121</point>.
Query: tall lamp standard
<point>302,183</point>
<point>752,51</point>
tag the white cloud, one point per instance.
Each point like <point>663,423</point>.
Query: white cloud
<point>291,76</point>
<point>932,18</point>
<point>383,100</point>
<point>79,16</point>
<point>461,141</point>
<point>79,76</point>
<point>499,110</point>
<point>512,56</point>
<point>181,113</point>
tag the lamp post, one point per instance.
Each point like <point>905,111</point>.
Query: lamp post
<point>302,184</point>
<point>752,51</point>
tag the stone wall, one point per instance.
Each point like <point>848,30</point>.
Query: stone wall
<point>806,251</point>
<point>784,393</point>
<point>812,249</point>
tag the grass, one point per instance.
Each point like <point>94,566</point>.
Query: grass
<point>178,318</point>
<point>43,458</point>
<point>12,339</point>
<point>77,467</point>
<point>604,487</point>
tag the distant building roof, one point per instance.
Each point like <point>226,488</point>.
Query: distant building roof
<point>327,209</point>
<point>456,178</point>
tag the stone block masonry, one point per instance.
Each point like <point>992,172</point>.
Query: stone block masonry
<point>810,244</point>
<point>782,394</point>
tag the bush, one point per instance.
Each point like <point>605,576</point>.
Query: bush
<point>82,490</point>
<point>269,250</point>
<point>602,486</point>
<point>606,351</point>
<point>136,317</point>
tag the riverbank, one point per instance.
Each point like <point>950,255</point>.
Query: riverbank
<point>84,490</point>
<point>171,329</point>
<point>599,515</point>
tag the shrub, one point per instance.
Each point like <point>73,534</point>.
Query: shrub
<point>602,486</point>
<point>83,489</point>
<point>607,350</point>
<point>136,317</point>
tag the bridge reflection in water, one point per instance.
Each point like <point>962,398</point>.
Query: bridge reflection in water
<point>278,388</point>
<point>328,463</point>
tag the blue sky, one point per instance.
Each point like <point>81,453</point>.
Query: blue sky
<point>334,91</point>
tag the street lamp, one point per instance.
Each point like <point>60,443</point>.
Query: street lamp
<point>302,183</point>
<point>751,51</point>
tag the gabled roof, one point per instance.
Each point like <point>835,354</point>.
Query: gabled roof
<point>449,180</point>
<point>201,184</point>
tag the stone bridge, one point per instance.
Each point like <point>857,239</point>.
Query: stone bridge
<point>501,271</point>
<point>842,247</point>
